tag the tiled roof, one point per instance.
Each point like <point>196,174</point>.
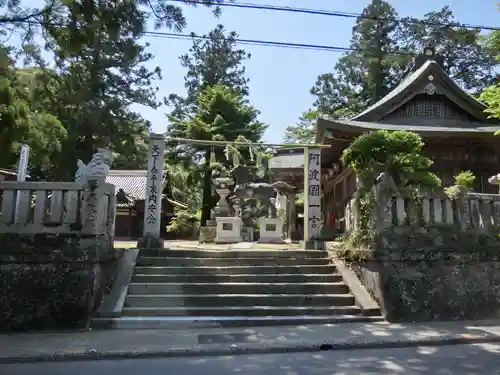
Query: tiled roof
<point>133,182</point>
<point>7,172</point>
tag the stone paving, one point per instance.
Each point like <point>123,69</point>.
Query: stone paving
<point>223,341</point>
<point>196,245</point>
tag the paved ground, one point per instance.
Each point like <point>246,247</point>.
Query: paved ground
<point>224,341</point>
<point>474,359</point>
<point>197,245</point>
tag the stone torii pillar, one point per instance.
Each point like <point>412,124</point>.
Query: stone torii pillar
<point>154,193</point>
<point>288,191</point>
<point>313,221</point>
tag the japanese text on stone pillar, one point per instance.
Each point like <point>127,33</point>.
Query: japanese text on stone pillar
<point>314,193</point>
<point>155,183</point>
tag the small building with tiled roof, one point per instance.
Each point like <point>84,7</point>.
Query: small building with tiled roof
<point>130,190</point>
<point>8,175</point>
<point>458,134</point>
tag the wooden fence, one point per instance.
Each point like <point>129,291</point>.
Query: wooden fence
<point>480,211</point>
<point>52,207</point>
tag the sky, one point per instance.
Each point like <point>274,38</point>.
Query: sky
<point>280,78</point>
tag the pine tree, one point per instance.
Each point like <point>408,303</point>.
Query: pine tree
<point>365,75</point>
<point>215,107</point>
<point>304,131</point>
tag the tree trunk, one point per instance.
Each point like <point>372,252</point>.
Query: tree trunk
<point>206,205</point>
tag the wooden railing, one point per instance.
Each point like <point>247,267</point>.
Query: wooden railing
<point>480,211</point>
<point>52,207</point>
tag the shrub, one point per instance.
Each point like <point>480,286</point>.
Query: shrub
<point>183,223</point>
<point>396,153</point>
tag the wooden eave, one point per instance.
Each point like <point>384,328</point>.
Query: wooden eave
<point>337,130</point>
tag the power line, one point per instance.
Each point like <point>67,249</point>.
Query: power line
<point>268,43</point>
<point>254,42</point>
<point>333,13</point>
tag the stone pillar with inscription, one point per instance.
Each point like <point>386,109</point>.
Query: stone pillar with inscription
<point>152,206</point>
<point>312,194</point>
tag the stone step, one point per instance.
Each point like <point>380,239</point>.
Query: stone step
<point>240,300</point>
<point>251,253</point>
<point>224,262</point>
<point>197,322</point>
<point>237,270</point>
<point>243,278</point>
<point>237,288</point>
<point>261,311</point>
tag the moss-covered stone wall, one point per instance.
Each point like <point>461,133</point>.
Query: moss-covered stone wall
<point>52,282</point>
<point>433,273</point>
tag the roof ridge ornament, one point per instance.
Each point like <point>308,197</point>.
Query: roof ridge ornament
<point>429,53</point>
<point>429,48</point>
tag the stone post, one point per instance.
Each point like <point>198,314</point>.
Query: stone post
<point>154,189</point>
<point>290,200</point>
<point>93,207</point>
<point>95,243</point>
<point>312,194</point>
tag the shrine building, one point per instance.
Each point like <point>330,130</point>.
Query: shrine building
<point>457,133</point>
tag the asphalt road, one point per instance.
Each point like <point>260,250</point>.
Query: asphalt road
<point>480,359</point>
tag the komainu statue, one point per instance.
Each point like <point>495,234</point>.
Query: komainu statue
<point>260,191</point>
<point>98,166</point>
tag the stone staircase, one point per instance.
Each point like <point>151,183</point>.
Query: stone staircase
<point>238,283</point>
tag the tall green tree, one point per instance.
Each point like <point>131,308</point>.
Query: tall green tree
<point>467,60</point>
<point>97,73</point>
<point>24,117</point>
<point>212,60</point>
<point>100,72</point>
<point>215,106</point>
<point>222,113</point>
<point>304,131</point>
<point>100,69</point>
<point>370,71</point>
<point>382,57</point>
<point>491,94</point>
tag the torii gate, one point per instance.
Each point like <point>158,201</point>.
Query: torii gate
<point>156,170</point>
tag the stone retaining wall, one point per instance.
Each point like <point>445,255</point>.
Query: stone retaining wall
<point>435,273</point>
<point>53,282</point>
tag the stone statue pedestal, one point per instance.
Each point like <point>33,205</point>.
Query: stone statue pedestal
<point>228,230</point>
<point>271,230</point>
<point>247,234</point>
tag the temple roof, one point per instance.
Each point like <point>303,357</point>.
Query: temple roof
<point>427,85</point>
<point>419,82</point>
<point>287,158</point>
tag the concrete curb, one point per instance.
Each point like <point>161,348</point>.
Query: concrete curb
<point>259,348</point>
